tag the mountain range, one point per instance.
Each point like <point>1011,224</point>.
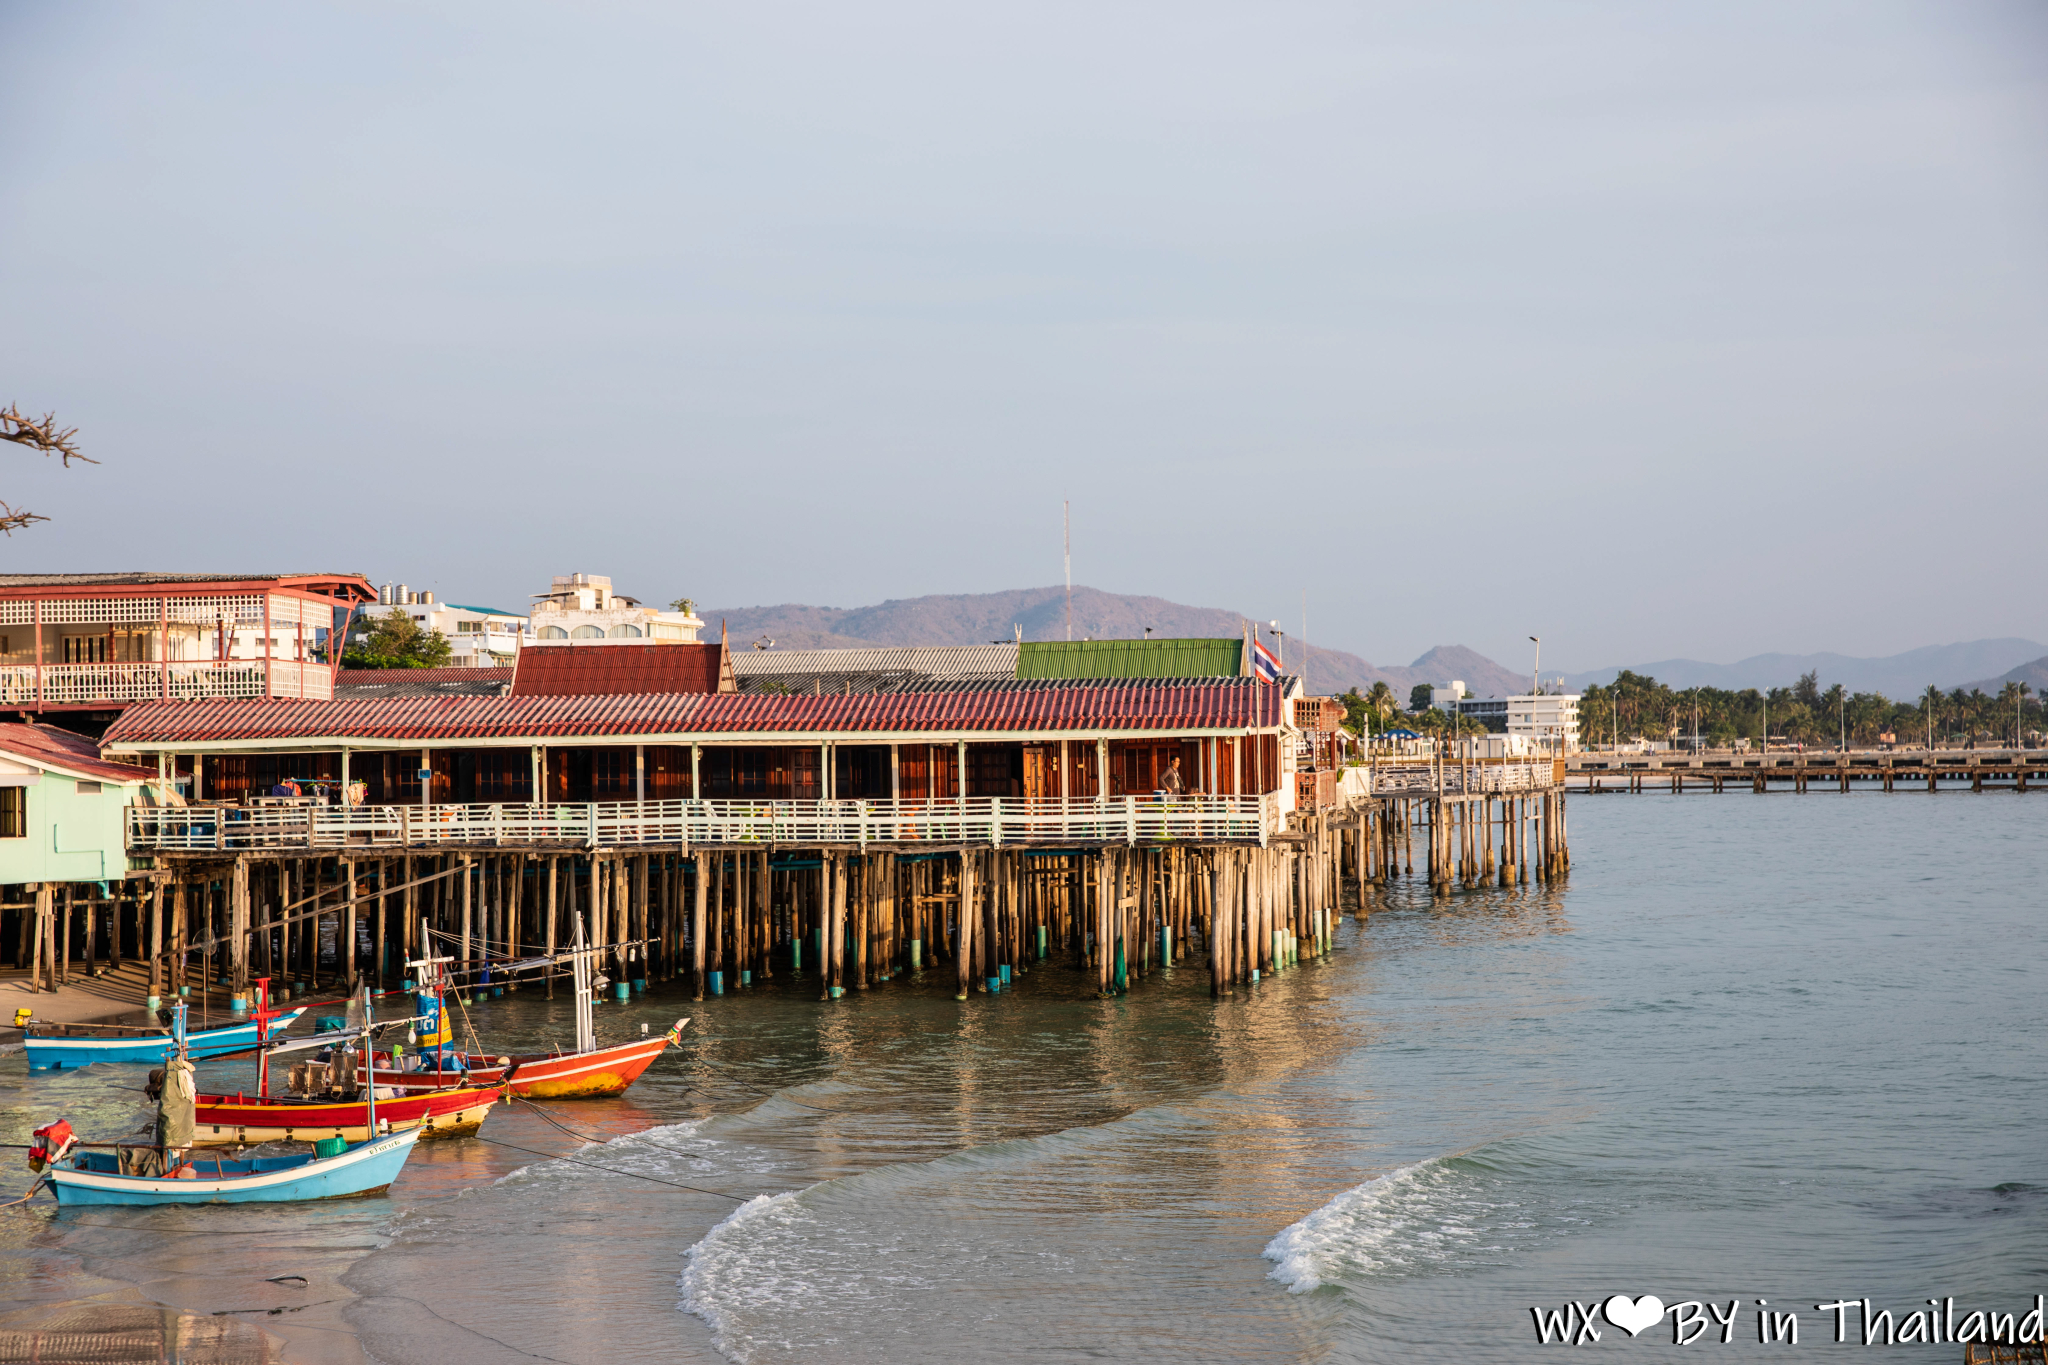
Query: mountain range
<point>979,618</point>
<point>1041,613</point>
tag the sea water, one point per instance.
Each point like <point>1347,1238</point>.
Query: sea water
<point>1780,1048</point>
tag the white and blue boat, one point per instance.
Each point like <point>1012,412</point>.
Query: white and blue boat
<point>66,1047</point>
<point>84,1175</point>
<point>172,1171</point>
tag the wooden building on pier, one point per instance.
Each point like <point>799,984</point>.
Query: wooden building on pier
<point>1124,818</point>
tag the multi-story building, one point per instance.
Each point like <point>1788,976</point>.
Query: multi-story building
<point>481,637</point>
<point>582,607</point>
<point>95,642</point>
<point>1549,720</point>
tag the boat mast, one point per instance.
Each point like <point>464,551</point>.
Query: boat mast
<point>586,1029</point>
<point>370,1051</point>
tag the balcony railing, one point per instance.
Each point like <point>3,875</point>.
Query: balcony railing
<point>1452,778</point>
<point>72,684</point>
<point>987,821</point>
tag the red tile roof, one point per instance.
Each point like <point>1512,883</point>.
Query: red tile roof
<point>71,752</point>
<point>619,670</point>
<point>1153,704</point>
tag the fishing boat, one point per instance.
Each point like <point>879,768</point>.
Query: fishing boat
<point>316,1107</point>
<point>167,1171</point>
<point>97,1174</point>
<point>585,1072</point>
<point>66,1047</point>
<point>241,1120</point>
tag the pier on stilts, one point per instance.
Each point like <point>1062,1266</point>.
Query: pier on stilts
<point>1916,769</point>
<point>726,896</point>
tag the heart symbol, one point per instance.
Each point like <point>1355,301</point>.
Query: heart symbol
<point>1633,1315</point>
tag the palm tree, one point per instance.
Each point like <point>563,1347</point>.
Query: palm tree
<point>1929,700</point>
<point>1382,701</point>
<point>2013,692</point>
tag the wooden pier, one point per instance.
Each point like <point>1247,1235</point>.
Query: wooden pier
<point>727,900</point>
<point>729,840</point>
<point>1859,769</point>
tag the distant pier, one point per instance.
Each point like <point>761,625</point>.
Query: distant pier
<point>1929,770</point>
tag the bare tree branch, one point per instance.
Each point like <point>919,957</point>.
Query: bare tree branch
<point>11,520</point>
<point>41,435</point>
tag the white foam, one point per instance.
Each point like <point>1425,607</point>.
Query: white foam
<point>1414,1215</point>
<point>719,1267</point>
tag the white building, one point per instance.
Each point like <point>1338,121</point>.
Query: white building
<point>582,606</point>
<point>1550,720</point>
<point>481,637</point>
<point>1446,696</point>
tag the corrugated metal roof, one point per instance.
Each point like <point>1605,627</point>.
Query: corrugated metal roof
<point>364,683</point>
<point>1219,704</point>
<point>80,580</point>
<point>927,661</point>
<point>613,669</point>
<point>1130,659</point>
<point>46,744</point>
<point>357,677</point>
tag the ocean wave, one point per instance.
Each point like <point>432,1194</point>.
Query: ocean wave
<point>722,1274</point>
<point>1444,1213</point>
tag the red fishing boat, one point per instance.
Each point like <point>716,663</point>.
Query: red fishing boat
<point>542,1075</point>
<point>231,1120</point>
<point>323,1102</point>
<point>585,1072</point>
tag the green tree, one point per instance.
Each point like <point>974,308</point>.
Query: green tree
<point>1418,697</point>
<point>1357,712</point>
<point>395,640</point>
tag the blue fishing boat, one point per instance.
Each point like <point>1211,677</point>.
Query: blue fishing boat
<point>66,1047</point>
<point>170,1170</point>
<point>91,1175</point>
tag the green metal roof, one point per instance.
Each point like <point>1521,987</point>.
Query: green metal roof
<point>1130,659</point>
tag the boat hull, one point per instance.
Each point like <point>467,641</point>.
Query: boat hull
<point>560,1076</point>
<point>366,1168</point>
<point>224,1120</point>
<point>68,1054</point>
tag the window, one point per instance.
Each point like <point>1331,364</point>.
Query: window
<point>13,812</point>
<point>553,633</point>
<point>625,632</point>
<point>468,627</point>
<point>88,788</point>
<point>85,649</point>
<point>587,633</point>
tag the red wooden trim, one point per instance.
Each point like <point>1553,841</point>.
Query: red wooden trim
<point>308,587</point>
<point>336,643</point>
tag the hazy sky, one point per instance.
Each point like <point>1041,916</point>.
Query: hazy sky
<point>1652,329</point>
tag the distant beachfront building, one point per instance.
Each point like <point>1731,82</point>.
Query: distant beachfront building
<point>582,607</point>
<point>481,637</point>
<point>1550,720</point>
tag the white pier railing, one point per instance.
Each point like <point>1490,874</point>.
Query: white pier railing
<point>1451,778</point>
<point>989,821</point>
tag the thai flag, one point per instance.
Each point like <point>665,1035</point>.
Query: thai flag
<point>1264,666</point>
